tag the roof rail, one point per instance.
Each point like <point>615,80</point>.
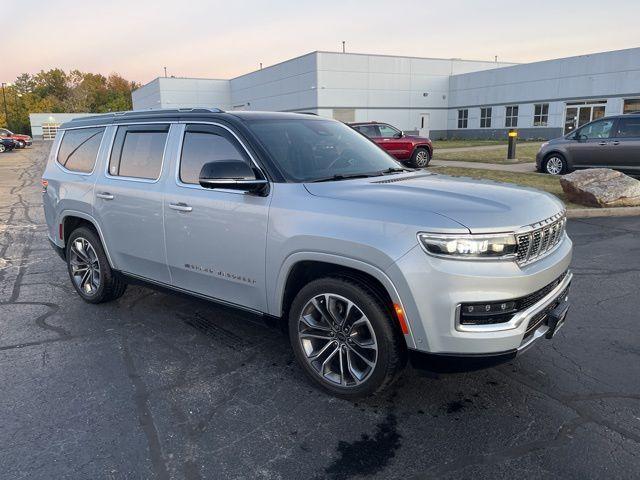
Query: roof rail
<point>135,113</point>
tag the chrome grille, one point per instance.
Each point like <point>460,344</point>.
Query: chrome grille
<point>535,241</point>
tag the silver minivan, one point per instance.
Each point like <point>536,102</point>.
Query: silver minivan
<point>368,263</point>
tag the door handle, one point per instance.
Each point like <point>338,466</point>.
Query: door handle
<point>181,207</point>
<point>104,195</point>
<point>616,143</point>
<point>602,143</point>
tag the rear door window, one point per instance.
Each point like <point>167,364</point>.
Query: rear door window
<point>629,127</point>
<point>203,144</point>
<point>79,149</point>
<point>138,151</point>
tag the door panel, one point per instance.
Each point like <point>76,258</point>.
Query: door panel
<point>215,238</point>
<point>130,209</point>
<point>626,145</point>
<point>396,146</point>
<point>595,149</point>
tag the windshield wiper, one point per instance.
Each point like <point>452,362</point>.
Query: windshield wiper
<point>339,176</point>
<point>395,170</point>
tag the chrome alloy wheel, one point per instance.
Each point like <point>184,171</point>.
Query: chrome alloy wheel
<point>422,158</point>
<point>85,266</point>
<point>337,340</point>
<point>554,165</point>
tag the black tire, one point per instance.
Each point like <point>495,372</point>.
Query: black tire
<point>420,158</point>
<point>391,356</point>
<point>21,144</point>
<point>110,286</point>
<point>3,148</point>
<point>555,164</point>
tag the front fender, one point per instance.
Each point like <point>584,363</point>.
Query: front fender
<point>275,296</point>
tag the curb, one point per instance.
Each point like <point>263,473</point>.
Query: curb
<point>603,212</point>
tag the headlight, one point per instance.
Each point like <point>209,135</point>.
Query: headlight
<point>470,247</point>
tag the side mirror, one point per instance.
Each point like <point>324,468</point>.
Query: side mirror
<point>233,175</point>
<point>579,137</point>
<point>399,134</point>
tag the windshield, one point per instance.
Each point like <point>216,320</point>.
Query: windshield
<point>310,150</point>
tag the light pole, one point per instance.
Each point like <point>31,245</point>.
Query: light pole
<point>4,100</point>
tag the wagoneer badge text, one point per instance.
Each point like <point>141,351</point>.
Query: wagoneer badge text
<point>233,277</point>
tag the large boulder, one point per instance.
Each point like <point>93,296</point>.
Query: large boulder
<point>601,187</point>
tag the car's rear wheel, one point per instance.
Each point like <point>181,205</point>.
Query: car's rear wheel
<point>344,338</point>
<point>89,269</point>
<point>21,144</point>
<point>420,158</point>
<point>555,164</point>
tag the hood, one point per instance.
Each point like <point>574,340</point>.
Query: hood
<point>480,205</point>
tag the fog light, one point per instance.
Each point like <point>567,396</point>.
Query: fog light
<point>486,313</point>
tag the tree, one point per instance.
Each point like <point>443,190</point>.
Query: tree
<point>57,91</point>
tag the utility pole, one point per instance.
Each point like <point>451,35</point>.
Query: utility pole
<point>165,72</point>
<point>260,65</point>
<point>4,99</point>
<point>343,46</point>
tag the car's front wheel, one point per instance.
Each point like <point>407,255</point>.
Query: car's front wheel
<point>344,338</point>
<point>21,144</point>
<point>555,164</point>
<point>89,269</point>
<point>420,158</point>
<point>2,148</point>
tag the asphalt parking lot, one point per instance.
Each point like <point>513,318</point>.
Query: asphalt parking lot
<point>161,386</point>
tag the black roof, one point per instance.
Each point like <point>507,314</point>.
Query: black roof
<point>177,114</point>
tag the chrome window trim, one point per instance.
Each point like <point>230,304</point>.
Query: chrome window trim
<point>136,179</point>
<point>194,186</point>
<point>95,162</point>
<point>519,317</point>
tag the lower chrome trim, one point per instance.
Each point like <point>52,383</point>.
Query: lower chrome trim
<point>520,317</point>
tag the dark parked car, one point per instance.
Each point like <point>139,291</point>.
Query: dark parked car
<point>7,144</point>
<point>414,150</point>
<point>610,142</point>
<point>22,141</point>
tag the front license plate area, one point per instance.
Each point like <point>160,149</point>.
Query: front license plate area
<point>556,319</point>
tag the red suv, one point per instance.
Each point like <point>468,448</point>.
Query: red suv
<point>416,151</point>
<point>21,140</point>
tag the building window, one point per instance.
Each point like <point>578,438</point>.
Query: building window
<point>485,117</point>
<point>49,130</point>
<point>631,105</point>
<point>344,115</point>
<point>541,115</point>
<point>463,118</point>
<point>511,116</point>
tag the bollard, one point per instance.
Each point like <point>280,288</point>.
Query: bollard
<point>511,150</point>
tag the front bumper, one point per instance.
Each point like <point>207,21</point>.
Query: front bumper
<point>432,290</point>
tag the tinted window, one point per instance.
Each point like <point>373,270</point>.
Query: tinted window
<point>629,127</point>
<point>204,144</point>
<point>370,131</point>
<point>463,118</point>
<point>388,131</point>
<point>314,149</point>
<point>137,151</point>
<point>600,129</point>
<point>79,149</point>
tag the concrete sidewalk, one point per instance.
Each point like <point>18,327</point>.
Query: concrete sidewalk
<point>505,167</point>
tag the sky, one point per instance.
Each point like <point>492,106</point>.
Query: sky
<point>215,39</point>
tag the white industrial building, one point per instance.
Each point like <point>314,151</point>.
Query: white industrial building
<point>45,125</point>
<point>442,98</point>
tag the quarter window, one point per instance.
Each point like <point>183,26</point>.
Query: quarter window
<point>541,115</point>
<point>511,116</point>
<point>485,117</point>
<point>204,144</point>
<point>463,118</point>
<point>79,149</point>
<point>138,151</point>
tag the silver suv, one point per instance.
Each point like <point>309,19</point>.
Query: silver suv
<point>292,216</point>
